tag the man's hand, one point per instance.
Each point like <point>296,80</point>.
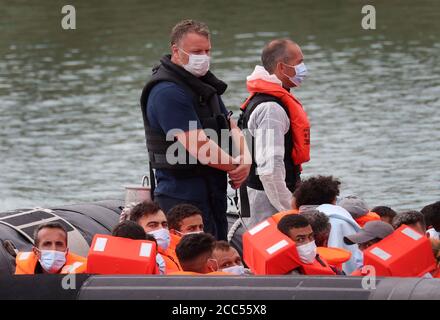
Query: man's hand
<point>239,174</point>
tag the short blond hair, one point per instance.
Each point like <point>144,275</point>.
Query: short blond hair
<point>186,26</point>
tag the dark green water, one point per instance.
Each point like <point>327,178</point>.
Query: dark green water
<point>71,129</point>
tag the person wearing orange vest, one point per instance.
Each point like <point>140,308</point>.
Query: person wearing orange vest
<point>321,227</point>
<point>320,192</point>
<point>131,230</point>
<point>228,259</point>
<point>153,220</point>
<point>411,218</point>
<point>183,219</point>
<point>297,228</point>
<point>279,128</point>
<point>195,253</point>
<point>50,254</point>
<point>373,232</point>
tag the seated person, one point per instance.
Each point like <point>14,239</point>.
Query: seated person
<point>131,230</point>
<point>50,253</point>
<point>386,213</point>
<point>373,232</point>
<point>297,228</point>
<point>358,209</point>
<point>183,219</point>
<point>228,259</point>
<point>432,219</point>
<point>195,253</point>
<point>321,227</point>
<point>320,224</point>
<point>153,220</point>
<point>321,191</point>
<point>413,219</point>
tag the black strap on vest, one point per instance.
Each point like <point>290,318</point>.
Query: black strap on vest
<point>245,208</point>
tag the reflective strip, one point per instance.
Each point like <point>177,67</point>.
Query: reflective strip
<point>24,255</point>
<point>277,246</point>
<point>381,253</point>
<point>411,233</point>
<point>100,244</point>
<point>259,227</point>
<point>145,250</point>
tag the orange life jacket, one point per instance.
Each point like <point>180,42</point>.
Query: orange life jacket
<point>171,262</point>
<point>316,268</point>
<point>299,123</point>
<point>174,241</point>
<point>116,255</point>
<point>27,261</point>
<point>404,253</point>
<point>278,216</point>
<point>334,256</point>
<point>267,251</point>
<point>370,216</point>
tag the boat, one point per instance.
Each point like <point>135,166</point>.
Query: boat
<point>85,220</point>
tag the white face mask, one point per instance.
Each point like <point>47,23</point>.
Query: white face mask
<point>161,264</point>
<point>238,270</point>
<point>300,74</point>
<point>307,252</point>
<point>52,261</point>
<point>162,237</point>
<point>198,64</point>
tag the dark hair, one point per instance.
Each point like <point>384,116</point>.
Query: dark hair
<point>317,190</point>
<point>384,211</point>
<point>222,245</point>
<point>273,52</point>
<point>145,208</point>
<point>179,212</point>
<point>186,26</point>
<point>432,214</point>
<point>408,218</point>
<point>320,224</point>
<point>130,230</point>
<point>48,225</point>
<point>292,221</point>
<point>193,246</point>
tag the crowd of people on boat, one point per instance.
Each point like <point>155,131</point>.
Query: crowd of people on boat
<point>291,225</point>
<point>325,235</point>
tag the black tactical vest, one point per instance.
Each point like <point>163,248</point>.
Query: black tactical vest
<point>205,93</point>
<point>292,170</point>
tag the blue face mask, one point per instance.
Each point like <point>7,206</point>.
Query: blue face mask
<point>300,74</point>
